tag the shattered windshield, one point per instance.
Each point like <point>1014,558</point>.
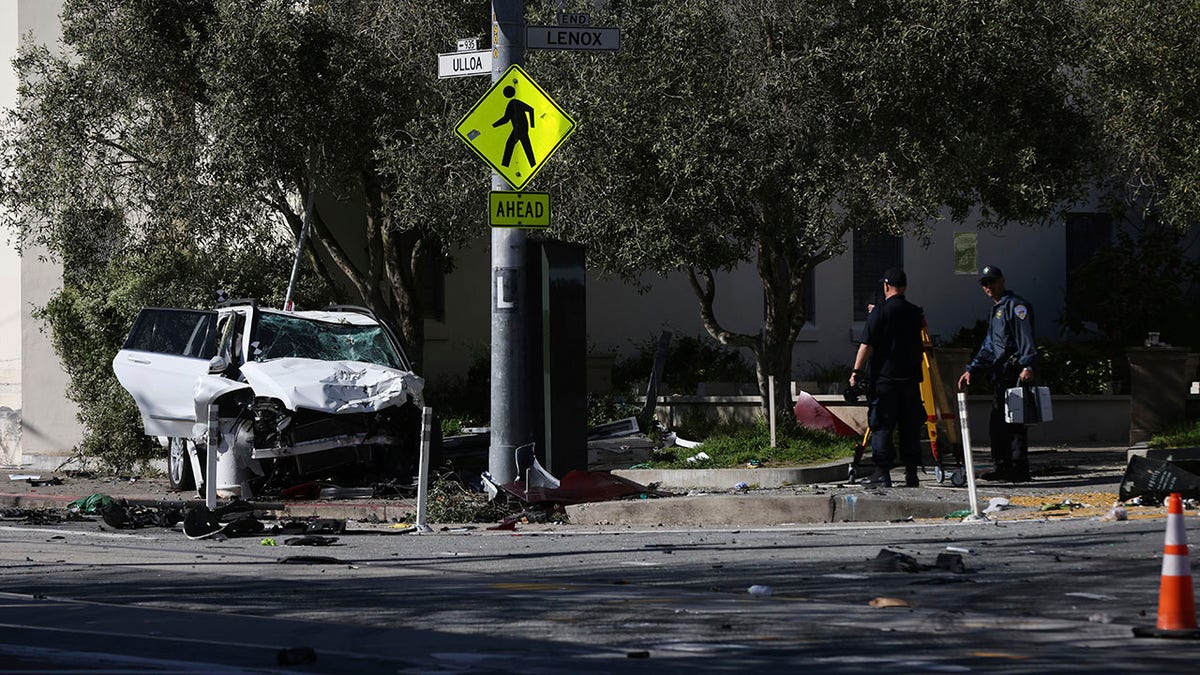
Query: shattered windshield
<point>282,335</point>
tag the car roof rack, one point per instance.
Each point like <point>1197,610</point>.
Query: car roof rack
<point>239,302</point>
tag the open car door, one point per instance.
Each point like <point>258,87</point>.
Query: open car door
<point>166,351</point>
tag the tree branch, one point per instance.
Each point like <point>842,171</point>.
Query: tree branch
<point>705,292</point>
<point>102,140</point>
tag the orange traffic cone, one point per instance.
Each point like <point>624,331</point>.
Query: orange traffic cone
<point>1176,599</point>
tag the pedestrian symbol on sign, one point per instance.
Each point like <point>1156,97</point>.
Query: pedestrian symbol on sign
<point>520,115</point>
<point>515,111</point>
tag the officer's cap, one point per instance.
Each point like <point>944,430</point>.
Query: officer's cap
<point>894,276</point>
<point>990,272</point>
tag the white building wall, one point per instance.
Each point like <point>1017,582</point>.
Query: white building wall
<point>28,365</point>
<point>1033,260</point>
<point>621,318</point>
<point>10,270</point>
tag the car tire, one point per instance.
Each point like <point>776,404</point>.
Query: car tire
<point>179,465</point>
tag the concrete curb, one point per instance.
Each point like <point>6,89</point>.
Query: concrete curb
<point>385,511</point>
<point>757,510</point>
<point>724,479</point>
<point>700,510</point>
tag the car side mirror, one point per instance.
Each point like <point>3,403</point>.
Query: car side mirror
<point>217,365</point>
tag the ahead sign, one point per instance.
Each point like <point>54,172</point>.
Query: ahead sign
<point>519,209</point>
<point>573,37</point>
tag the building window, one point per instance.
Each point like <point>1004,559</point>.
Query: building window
<point>1086,235</point>
<point>873,254</point>
<point>433,288</point>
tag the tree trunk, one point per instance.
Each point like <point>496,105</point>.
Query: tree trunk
<point>783,315</point>
<point>389,285</point>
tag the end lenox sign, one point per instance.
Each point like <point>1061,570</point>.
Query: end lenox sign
<point>573,37</point>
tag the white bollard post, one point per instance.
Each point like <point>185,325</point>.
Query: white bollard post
<point>210,457</point>
<point>771,405</point>
<point>423,469</point>
<point>968,462</point>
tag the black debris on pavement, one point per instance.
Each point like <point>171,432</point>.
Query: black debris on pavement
<point>309,560</point>
<point>123,515</point>
<point>38,516</point>
<point>950,562</point>
<point>893,561</point>
<point>310,540</point>
<point>1155,479</point>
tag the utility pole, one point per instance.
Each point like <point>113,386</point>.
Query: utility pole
<point>509,387</point>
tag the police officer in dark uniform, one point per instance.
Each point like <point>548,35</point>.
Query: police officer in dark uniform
<point>1008,356</point>
<point>891,343</point>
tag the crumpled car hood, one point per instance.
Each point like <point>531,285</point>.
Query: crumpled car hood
<point>333,386</point>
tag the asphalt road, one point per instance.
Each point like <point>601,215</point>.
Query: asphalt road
<point>1036,596</point>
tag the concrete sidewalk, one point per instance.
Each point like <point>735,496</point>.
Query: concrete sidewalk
<point>1083,480</point>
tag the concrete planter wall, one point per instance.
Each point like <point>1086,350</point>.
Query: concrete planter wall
<point>1077,419</point>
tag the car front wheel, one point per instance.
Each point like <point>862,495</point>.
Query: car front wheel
<point>179,465</point>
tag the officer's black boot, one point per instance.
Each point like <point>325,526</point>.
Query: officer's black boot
<point>1003,472</point>
<point>910,477</point>
<point>1020,471</point>
<point>881,478</point>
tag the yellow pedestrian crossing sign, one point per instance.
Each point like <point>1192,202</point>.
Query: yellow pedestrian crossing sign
<point>515,127</point>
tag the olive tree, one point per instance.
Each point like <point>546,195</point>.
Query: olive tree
<point>762,132</point>
<point>1142,68</point>
<point>206,122</point>
<point>167,149</point>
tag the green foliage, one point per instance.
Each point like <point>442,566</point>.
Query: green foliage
<point>1142,66</point>
<point>734,445</point>
<point>603,408</point>
<point>1083,368</point>
<point>190,121</point>
<point>1183,436</point>
<point>1142,282</point>
<point>102,292</point>
<point>85,336</point>
<point>690,361</point>
<point>159,154</point>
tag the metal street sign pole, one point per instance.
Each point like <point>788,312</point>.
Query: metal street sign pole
<point>509,394</point>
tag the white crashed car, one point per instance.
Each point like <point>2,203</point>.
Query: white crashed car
<point>297,394</point>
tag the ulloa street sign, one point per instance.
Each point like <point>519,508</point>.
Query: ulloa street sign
<point>465,64</point>
<point>515,127</point>
<point>519,209</point>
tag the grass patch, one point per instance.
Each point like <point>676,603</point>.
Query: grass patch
<point>736,445</point>
<point>1183,436</point>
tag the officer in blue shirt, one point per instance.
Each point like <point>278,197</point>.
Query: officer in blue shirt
<point>891,343</point>
<point>1008,356</point>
